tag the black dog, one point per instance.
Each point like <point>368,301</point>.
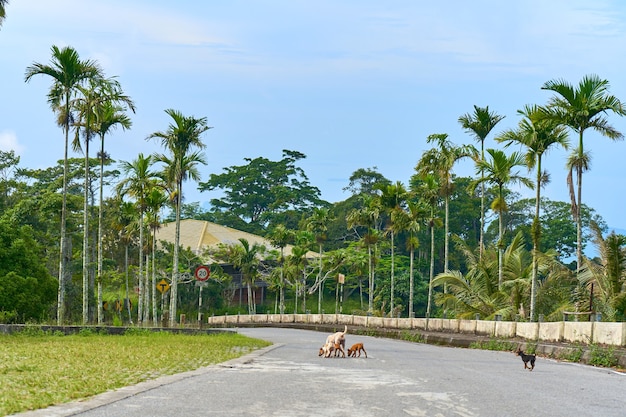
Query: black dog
<point>526,358</point>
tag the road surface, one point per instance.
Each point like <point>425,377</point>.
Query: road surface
<point>398,378</point>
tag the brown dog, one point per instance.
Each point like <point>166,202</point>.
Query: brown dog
<point>357,347</point>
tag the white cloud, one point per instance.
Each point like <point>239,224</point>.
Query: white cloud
<point>8,142</point>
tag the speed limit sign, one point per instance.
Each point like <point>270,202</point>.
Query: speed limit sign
<point>202,273</point>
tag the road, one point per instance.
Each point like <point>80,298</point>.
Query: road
<point>398,378</point>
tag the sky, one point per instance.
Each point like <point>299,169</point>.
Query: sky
<point>351,84</point>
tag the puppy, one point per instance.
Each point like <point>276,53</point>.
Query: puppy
<point>526,358</point>
<point>357,347</point>
<point>326,350</point>
<point>335,342</point>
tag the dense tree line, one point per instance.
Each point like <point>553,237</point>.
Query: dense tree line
<point>436,245</point>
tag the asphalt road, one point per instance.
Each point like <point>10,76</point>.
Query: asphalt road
<point>398,378</point>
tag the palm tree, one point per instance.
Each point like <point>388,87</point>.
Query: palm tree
<point>3,4</point>
<point>279,237</point>
<point>367,216</point>
<point>68,72</point>
<point>410,220</point>
<point>155,201</point>
<point>317,223</point>
<point>91,98</point>
<point>392,198</point>
<point>246,259</point>
<point>439,161</point>
<point>579,108</point>
<point>429,190</point>
<point>108,116</point>
<point>607,276</point>
<point>477,291</point>
<point>479,124</point>
<point>498,170</point>
<point>139,180</point>
<point>538,134</point>
<point>123,222</point>
<point>182,135</point>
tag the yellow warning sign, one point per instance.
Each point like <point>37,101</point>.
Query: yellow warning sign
<point>163,286</point>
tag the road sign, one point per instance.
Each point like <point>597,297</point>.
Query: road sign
<point>163,286</point>
<point>202,273</point>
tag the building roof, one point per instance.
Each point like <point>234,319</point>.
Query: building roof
<point>199,235</point>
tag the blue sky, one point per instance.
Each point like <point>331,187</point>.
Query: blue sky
<point>351,84</point>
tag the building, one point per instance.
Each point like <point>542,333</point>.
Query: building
<point>199,235</point>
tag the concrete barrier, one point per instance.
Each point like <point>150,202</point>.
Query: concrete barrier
<point>505,329</point>
<point>577,331</point>
<point>434,325</point>
<point>564,331</point>
<point>551,331</point>
<point>484,327</point>
<point>467,326</point>
<point>609,333</point>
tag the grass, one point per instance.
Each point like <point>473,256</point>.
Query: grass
<point>38,370</point>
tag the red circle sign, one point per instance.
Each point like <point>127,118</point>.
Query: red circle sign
<point>202,273</point>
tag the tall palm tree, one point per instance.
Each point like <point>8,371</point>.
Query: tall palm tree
<point>280,237</point>
<point>410,219</point>
<point>123,221</point>
<point>440,161</point>
<point>88,103</point>
<point>392,198</point>
<point>155,201</point>
<point>317,223</point>
<point>367,216</point>
<point>139,180</point>
<point>479,124</point>
<point>538,134</point>
<point>582,107</point>
<point>498,170</point>
<point>181,137</point>
<point>68,72</point>
<point>429,191</point>
<point>108,116</point>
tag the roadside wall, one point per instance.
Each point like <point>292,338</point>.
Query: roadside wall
<point>563,331</point>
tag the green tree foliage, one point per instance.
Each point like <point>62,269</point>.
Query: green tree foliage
<point>262,188</point>
<point>26,287</point>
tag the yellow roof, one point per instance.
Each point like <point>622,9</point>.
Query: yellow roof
<point>199,235</point>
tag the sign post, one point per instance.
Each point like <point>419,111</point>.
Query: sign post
<point>202,274</point>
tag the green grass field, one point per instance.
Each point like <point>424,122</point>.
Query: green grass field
<point>38,370</point>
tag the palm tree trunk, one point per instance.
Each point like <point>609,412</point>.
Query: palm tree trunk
<point>282,281</point>
<point>432,270</point>
<point>370,303</point>
<point>535,230</point>
<point>446,251</point>
<point>63,250</point>
<point>130,316</point>
<point>500,250</point>
<point>86,233</point>
<point>174,289</point>
<point>579,229</point>
<point>155,318</point>
<point>321,284</point>
<point>411,283</point>
<point>100,312</point>
<point>392,273</point>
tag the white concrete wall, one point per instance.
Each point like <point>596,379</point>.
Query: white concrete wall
<point>609,333</point>
<point>569,331</point>
<point>551,331</point>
